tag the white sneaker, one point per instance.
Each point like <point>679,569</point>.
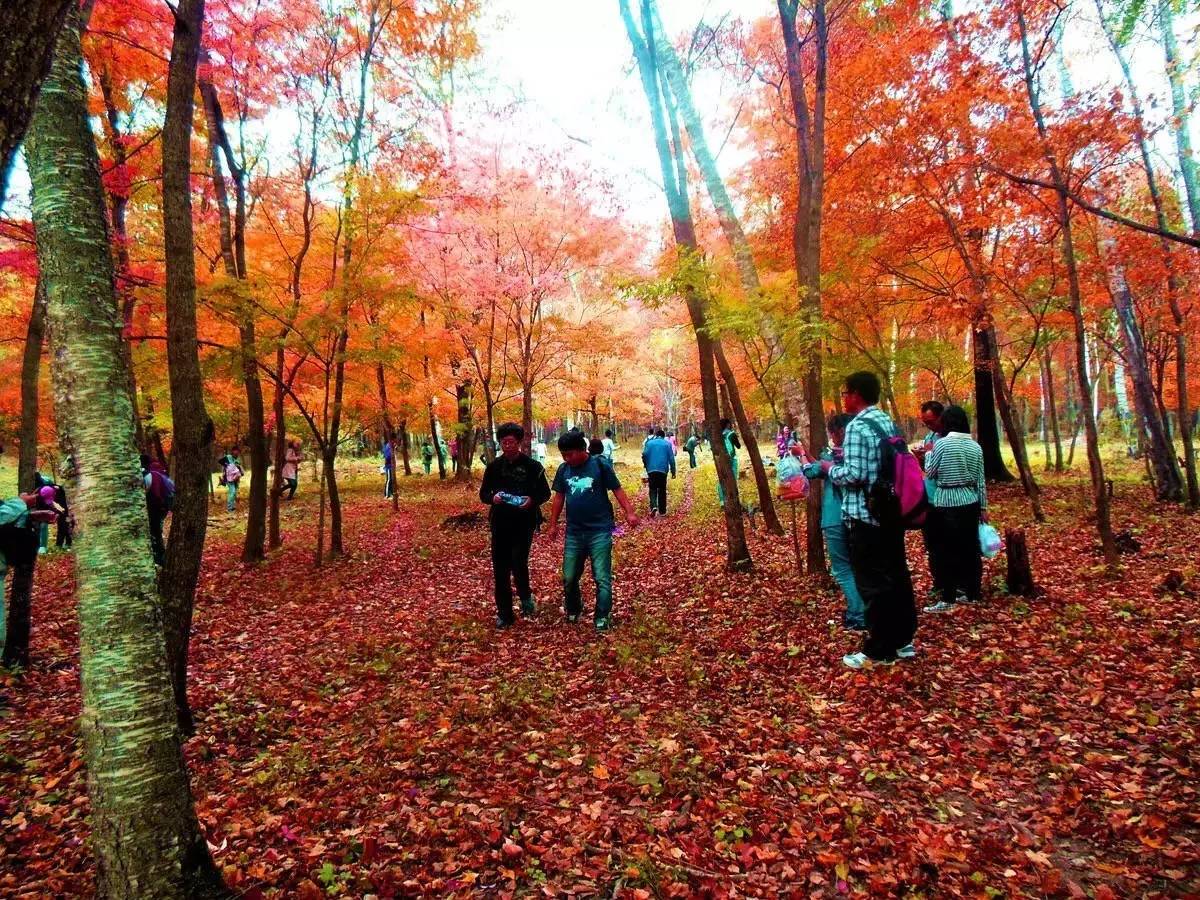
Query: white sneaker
<point>908,651</point>
<point>939,607</point>
<point>862,661</point>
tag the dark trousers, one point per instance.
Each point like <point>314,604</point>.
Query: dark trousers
<point>16,642</point>
<point>157,547</point>
<point>881,573</point>
<point>658,492</point>
<point>63,537</point>
<point>290,485</point>
<point>510,562</point>
<point>957,558</point>
<point>389,482</point>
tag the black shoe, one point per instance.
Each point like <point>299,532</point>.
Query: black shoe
<point>572,618</point>
<point>529,608</point>
<point>502,624</point>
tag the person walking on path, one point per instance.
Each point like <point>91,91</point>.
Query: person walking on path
<point>837,540</point>
<point>231,475</point>
<point>610,445</point>
<point>955,466</point>
<point>658,458</point>
<point>389,469</point>
<point>427,456</point>
<point>581,487</point>
<point>876,548</point>
<point>732,446</point>
<point>691,445</point>
<point>160,500</point>
<point>291,470</point>
<point>514,488</point>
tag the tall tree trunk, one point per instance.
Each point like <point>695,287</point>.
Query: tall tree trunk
<point>28,30</point>
<point>233,251</point>
<point>31,369</point>
<point>274,537</point>
<point>144,830</point>
<point>1095,463</point>
<point>1052,410</point>
<point>192,429</point>
<point>437,447</point>
<point>994,468</point>
<point>405,447</point>
<point>1181,126</point>
<point>809,132</point>
<point>674,171</point>
<point>1013,429</point>
<point>1168,481</point>
<point>463,394</point>
<point>1180,121</point>
<point>766,498</point>
<point>328,458</point>
<point>527,414</point>
<point>118,204</point>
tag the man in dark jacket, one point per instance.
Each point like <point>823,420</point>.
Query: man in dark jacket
<point>515,487</point>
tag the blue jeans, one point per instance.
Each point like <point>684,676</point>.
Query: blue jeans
<point>580,547</point>
<point>837,542</point>
<point>230,496</point>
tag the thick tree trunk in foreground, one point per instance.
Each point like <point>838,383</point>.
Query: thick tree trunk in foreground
<point>1019,580</point>
<point>192,430</point>
<point>31,370</point>
<point>28,30</point>
<point>145,834</point>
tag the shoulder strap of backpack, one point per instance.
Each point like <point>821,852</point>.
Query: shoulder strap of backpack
<point>877,428</point>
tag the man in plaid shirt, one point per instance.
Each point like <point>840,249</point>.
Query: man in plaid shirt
<point>876,551</point>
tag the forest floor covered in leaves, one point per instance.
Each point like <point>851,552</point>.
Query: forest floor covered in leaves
<point>363,729</point>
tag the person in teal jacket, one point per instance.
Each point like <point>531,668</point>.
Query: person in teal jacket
<point>20,522</point>
<point>834,528</point>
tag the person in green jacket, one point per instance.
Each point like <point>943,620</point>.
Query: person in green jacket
<point>427,456</point>
<point>20,522</point>
<point>690,445</point>
<point>837,541</point>
<point>732,446</point>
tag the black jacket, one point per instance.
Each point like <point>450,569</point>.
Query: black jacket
<point>523,476</point>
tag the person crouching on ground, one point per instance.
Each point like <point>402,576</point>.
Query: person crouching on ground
<point>581,485</point>
<point>514,488</point>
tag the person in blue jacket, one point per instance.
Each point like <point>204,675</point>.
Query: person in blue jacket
<point>836,539</point>
<point>658,456</point>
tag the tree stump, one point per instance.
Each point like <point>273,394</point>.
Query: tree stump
<point>1020,574</point>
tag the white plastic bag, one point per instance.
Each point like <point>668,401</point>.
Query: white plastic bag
<point>990,543</point>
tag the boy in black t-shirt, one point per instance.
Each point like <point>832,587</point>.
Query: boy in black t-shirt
<point>514,487</point>
<point>581,484</point>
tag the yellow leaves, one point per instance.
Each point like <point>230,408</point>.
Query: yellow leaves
<point>600,772</point>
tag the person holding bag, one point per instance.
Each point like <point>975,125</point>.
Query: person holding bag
<point>955,465</point>
<point>837,540</point>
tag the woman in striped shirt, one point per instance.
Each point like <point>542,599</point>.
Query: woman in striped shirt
<point>955,464</point>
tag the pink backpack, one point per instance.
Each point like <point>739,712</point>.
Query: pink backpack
<point>897,498</point>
